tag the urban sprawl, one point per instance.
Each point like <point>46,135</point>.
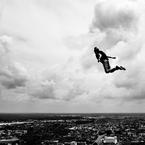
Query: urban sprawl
<point>75,130</point>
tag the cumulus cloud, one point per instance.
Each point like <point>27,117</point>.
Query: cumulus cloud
<point>117,20</point>
<point>113,15</point>
<point>12,74</point>
<point>58,83</point>
<point>43,90</point>
<point>122,26</point>
<point>37,25</point>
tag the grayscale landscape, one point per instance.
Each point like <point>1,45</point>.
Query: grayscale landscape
<point>71,72</point>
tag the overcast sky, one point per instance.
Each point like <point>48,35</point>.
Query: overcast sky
<point>47,63</point>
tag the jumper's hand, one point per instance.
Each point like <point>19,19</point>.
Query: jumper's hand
<point>111,57</point>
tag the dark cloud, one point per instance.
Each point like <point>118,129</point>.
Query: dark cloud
<point>11,80</point>
<point>13,83</point>
<point>129,81</point>
<point>44,92</point>
<point>12,74</point>
<point>59,85</point>
<point>132,82</point>
<point>136,95</point>
<point>107,16</point>
<point>74,92</point>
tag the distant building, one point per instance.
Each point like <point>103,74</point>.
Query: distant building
<point>50,142</point>
<point>13,141</point>
<point>105,140</point>
<point>99,140</point>
<point>110,140</point>
<point>73,143</point>
<point>60,144</point>
<point>81,143</point>
<point>67,143</point>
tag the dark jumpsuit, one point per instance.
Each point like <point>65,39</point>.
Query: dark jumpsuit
<point>105,61</point>
<point>103,58</point>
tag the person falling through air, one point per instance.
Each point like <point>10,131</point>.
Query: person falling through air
<point>104,59</point>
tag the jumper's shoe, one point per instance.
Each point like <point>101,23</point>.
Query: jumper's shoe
<point>122,68</point>
<point>117,67</point>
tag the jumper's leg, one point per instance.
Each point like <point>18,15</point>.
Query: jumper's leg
<point>116,68</point>
<point>106,66</point>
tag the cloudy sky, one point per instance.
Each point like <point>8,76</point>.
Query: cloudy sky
<point>47,63</point>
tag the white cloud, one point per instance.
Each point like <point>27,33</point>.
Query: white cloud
<point>122,24</point>
<point>46,53</point>
<point>59,84</point>
<point>12,74</point>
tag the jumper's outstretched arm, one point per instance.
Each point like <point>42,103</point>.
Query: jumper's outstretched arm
<point>111,57</point>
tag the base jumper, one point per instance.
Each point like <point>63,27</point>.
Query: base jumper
<point>104,59</point>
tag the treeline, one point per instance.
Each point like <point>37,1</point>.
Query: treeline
<point>36,116</point>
